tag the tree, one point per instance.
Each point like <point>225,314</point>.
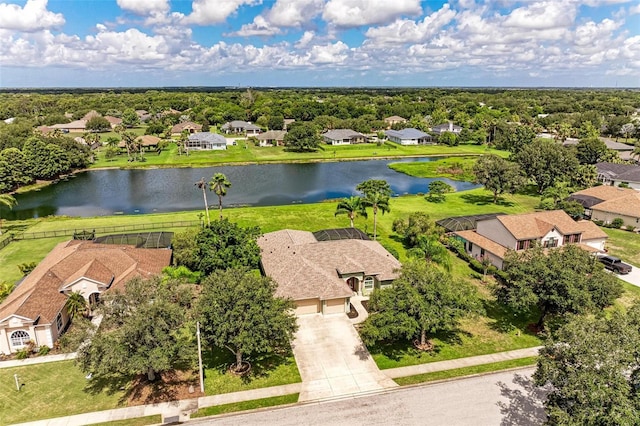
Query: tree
<point>220,245</point>
<point>239,311</point>
<point>130,118</point>
<point>202,184</point>
<point>76,304</point>
<point>302,137</point>
<point>416,225</point>
<point>567,280</point>
<point>591,150</point>
<point>145,330</point>
<point>592,366</point>
<point>219,184</point>
<point>98,124</point>
<point>423,301</point>
<point>431,249</point>
<point>352,207</point>
<point>437,190</point>
<point>545,162</point>
<point>588,130</point>
<point>376,195</point>
<point>448,138</point>
<point>9,201</point>
<point>498,175</point>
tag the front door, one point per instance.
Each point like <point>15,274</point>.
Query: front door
<point>353,284</point>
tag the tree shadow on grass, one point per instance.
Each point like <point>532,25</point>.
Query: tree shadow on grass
<point>261,365</point>
<point>505,320</point>
<point>483,200</point>
<point>524,404</point>
<point>396,350</point>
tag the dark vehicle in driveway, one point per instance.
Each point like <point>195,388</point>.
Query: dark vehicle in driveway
<point>614,264</point>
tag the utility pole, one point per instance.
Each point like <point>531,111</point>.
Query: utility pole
<point>199,359</point>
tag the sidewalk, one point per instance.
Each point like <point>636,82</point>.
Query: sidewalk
<point>431,367</point>
<point>37,360</point>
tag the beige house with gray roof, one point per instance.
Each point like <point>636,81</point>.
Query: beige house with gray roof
<point>321,276</point>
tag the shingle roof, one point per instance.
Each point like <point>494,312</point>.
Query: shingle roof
<point>590,231</point>
<point>409,133</point>
<point>239,124</point>
<point>605,192</point>
<point>628,205</point>
<point>305,268</point>
<point>277,135</point>
<point>536,225</point>
<point>148,140</point>
<point>483,242</point>
<point>340,134</point>
<point>178,128</point>
<point>623,172</point>
<point>395,118</point>
<point>39,294</point>
<point>208,137</point>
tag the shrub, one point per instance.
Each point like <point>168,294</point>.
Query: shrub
<point>617,223</point>
<point>44,350</point>
<point>26,268</point>
<point>391,250</point>
<point>80,330</point>
<point>598,222</point>
<point>22,354</point>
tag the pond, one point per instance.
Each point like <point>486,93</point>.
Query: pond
<point>107,192</point>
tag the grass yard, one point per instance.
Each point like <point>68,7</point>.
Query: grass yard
<point>245,152</point>
<point>140,421</point>
<point>466,371</point>
<point>459,168</point>
<point>246,405</point>
<point>624,244</point>
<point>273,370</point>
<point>50,390</point>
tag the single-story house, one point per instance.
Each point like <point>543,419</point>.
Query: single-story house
<point>114,121</point>
<point>615,174</point>
<point>625,152</point>
<point>494,236</point>
<point>343,137</point>
<point>74,126</point>
<point>147,141</point>
<point>206,140</point>
<point>35,311</point>
<point>322,275</point>
<point>189,126</point>
<point>607,203</point>
<point>446,127</point>
<point>143,115</point>
<point>394,119</point>
<point>239,126</point>
<point>409,136</point>
<point>272,138</point>
<point>83,141</point>
<point>91,114</point>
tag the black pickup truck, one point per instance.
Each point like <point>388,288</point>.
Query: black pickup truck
<point>614,264</point>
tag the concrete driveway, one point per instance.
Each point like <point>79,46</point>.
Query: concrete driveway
<point>632,277</point>
<point>332,359</point>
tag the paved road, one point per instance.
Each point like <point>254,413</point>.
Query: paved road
<point>506,398</point>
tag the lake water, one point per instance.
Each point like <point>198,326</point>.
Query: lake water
<point>107,192</point>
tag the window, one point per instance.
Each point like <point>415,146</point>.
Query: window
<point>59,322</point>
<point>481,252</point>
<point>551,242</point>
<point>523,245</point>
<point>20,338</point>
<point>368,283</point>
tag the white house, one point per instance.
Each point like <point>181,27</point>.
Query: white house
<point>446,128</point>
<point>240,127</point>
<point>206,141</point>
<point>409,136</point>
<point>343,137</point>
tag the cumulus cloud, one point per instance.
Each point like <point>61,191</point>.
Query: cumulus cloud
<point>259,27</point>
<point>355,13</point>
<point>283,14</point>
<point>205,12</point>
<point>34,16</point>
<point>409,31</point>
<point>144,7</point>
<point>542,15</point>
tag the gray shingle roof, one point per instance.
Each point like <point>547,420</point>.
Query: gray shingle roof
<point>409,133</point>
<point>624,172</point>
<point>340,134</point>
<point>208,137</point>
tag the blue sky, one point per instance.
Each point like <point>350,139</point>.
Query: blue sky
<point>151,43</point>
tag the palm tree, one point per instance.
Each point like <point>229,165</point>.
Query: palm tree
<point>76,304</point>
<point>203,185</point>
<point>352,207</point>
<point>219,184</point>
<point>377,201</point>
<point>432,250</point>
<point>9,201</point>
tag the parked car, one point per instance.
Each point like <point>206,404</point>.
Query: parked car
<point>614,264</point>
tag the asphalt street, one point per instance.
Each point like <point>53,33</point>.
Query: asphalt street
<point>505,398</point>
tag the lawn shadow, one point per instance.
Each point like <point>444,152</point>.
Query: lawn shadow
<point>505,320</point>
<point>484,199</point>
<point>525,402</point>
<point>261,365</point>
<point>107,384</point>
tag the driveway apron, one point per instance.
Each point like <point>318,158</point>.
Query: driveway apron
<point>332,359</point>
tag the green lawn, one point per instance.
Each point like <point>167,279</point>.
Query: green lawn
<point>624,244</point>
<point>459,168</point>
<point>245,152</point>
<point>466,371</point>
<point>274,370</point>
<point>50,390</point>
<point>140,421</point>
<point>246,405</point>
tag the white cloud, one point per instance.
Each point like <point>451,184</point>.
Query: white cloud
<point>205,12</point>
<point>305,39</point>
<point>408,31</point>
<point>259,27</point>
<point>542,15</point>
<point>144,7</point>
<point>355,13</point>
<point>634,10</point>
<point>287,13</point>
<point>335,53</point>
<point>33,17</point>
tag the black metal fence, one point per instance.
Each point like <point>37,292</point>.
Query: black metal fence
<point>5,241</point>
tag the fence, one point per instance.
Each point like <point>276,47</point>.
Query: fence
<point>5,242</point>
<point>103,230</point>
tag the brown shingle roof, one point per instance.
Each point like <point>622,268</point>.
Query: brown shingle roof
<point>628,205</point>
<point>606,192</point>
<point>178,128</point>
<point>305,268</point>
<point>590,231</point>
<point>39,294</point>
<point>483,242</point>
<point>537,225</point>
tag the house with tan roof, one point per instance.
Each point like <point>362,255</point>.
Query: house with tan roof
<point>494,236</point>
<point>241,127</point>
<point>606,203</point>
<point>322,275</point>
<point>271,138</point>
<point>189,126</point>
<point>35,310</point>
<point>394,119</point>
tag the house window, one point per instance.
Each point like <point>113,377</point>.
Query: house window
<point>59,322</point>
<point>20,338</point>
<point>481,252</point>
<point>368,283</point>
<point>522,245</point>
<point>551,242</point>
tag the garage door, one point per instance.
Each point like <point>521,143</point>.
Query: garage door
<point>334,306</point>
<point>307,306</point>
